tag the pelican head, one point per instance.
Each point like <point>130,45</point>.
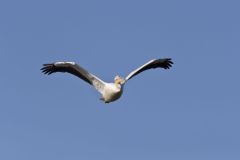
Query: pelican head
<point>119,80</point>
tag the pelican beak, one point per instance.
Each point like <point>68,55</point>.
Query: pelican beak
<point>122,81</point>
<point>119,80</point>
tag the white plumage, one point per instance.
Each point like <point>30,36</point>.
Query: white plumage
<point>109,91</point>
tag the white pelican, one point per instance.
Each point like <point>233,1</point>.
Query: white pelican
<point>109,91</point>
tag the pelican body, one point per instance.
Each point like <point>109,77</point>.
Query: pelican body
<point>110,91</point>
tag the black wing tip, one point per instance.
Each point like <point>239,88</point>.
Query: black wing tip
<point>166,63</point>
<point>47,68</point>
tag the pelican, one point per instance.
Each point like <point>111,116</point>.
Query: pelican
<point>109,91</point>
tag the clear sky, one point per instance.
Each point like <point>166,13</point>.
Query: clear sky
<point>190,112</point>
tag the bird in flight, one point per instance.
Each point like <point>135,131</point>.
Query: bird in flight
<point>109,91</point>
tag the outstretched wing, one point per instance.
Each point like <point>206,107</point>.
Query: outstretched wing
<point>165,63</point>
<point>75,69</point>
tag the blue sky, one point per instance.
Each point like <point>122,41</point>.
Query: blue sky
<point>188,112</point>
